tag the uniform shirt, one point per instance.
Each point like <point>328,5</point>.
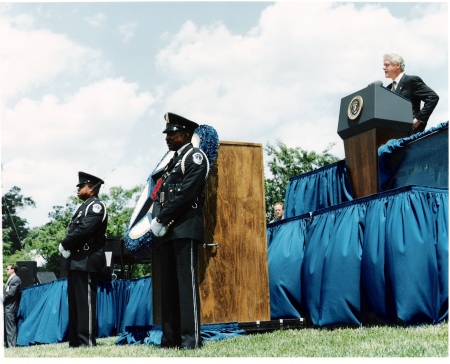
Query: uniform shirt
<point>86,236</point>
<point>179,201</point>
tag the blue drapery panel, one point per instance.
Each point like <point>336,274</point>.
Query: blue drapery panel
<point>332,265</point>
<point>383,258</point>
<point>285,257</point>
<point>405,257</point>
<point>151,335</point>
<point>43,314</point>
<point>421,159</point>
<point>112,299</point>
<point>318,189</point>
<point>139,307</point>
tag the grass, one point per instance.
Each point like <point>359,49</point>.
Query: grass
<point>366,342</point>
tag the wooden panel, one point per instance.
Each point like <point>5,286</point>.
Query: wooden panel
<point>361,158</point>
<point>234,282</point>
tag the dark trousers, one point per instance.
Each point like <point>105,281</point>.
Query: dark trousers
<point>82,294</point>
<point>10,329</point>
<point>180,300</point>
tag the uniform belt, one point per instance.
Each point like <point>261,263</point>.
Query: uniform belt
<point>92,243</point>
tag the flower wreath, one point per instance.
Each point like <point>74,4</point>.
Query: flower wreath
<point>139,239</point>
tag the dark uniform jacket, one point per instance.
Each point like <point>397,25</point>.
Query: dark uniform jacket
<point>11,294</point>
<point>415,90</point>
<point>179,201</point>
<point>86,237</point>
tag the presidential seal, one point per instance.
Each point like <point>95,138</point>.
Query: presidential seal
<point>354,107</point>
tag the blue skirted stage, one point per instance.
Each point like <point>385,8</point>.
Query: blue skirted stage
<point>334,261</point>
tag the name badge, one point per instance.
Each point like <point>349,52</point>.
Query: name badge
<point>161,197</point>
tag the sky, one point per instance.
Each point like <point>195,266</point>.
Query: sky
<point>85,86</point>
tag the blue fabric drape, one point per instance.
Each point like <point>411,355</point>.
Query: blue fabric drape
<point>332,264</point>
<point>151,335</point>
<point>421,159</point>
<point>285,257</point>
<point>318,189</point>
<point>401,278</point>
<point>47,318</point>
<point>393,245</point>
<point>139,308</point>
<point>44,313</point>
<point>112,300</point>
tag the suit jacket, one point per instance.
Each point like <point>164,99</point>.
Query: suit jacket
<point>179,201</point>
<point>415,90</point>
<point>86,237</point>
<point>11,294</point>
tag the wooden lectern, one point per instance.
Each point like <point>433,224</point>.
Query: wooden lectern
<point>233,264</point>
<point>368,119</point>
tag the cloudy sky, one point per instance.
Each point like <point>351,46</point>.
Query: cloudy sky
<point>85,86</point>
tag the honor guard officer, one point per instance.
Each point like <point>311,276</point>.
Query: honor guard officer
<point>83,248</point>
<point>178,222</point>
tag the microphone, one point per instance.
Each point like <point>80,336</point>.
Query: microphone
<point>376,83</point>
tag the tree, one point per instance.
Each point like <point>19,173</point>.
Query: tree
<point>287,163</point>
<point>119,209</point>
<point>14,228</point>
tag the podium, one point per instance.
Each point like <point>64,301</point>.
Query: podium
<point>369,118</point>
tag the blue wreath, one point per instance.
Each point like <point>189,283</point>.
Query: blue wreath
<point>142,246</point>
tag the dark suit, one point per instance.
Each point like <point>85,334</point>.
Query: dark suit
<point>415,90</point>
<point>11,300</point>
<point>179,205</point>
<point>85,241</point>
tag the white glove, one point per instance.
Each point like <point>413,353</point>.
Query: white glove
<point>158,228</point>
<point>65,253</point>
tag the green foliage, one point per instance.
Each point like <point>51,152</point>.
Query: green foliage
<point>286,163</point>
<point>426,341</point>
<point>44,240</point>
<point>119,209</point>
<point>14,228</point>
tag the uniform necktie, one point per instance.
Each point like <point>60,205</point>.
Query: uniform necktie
<point>394,86</point>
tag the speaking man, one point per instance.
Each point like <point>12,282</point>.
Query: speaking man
<point>411,87</point>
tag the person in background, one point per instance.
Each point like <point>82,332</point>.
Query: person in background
<point>278,208</point>
<point>11,301</point>
<point>83,248</point>
<point>411,87</point>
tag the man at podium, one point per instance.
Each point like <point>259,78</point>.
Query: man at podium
<point>411,87</point>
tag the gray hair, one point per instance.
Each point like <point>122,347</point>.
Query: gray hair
<point>395,58</point>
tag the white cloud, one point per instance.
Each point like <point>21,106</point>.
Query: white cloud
<point>47,140</point>
<point>30,58</point>
<point>95,118</point>
<point>96,20</point>
<point>128,30</point>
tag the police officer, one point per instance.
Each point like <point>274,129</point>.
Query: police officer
<point>178,222</point>
<point>83,246</point>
